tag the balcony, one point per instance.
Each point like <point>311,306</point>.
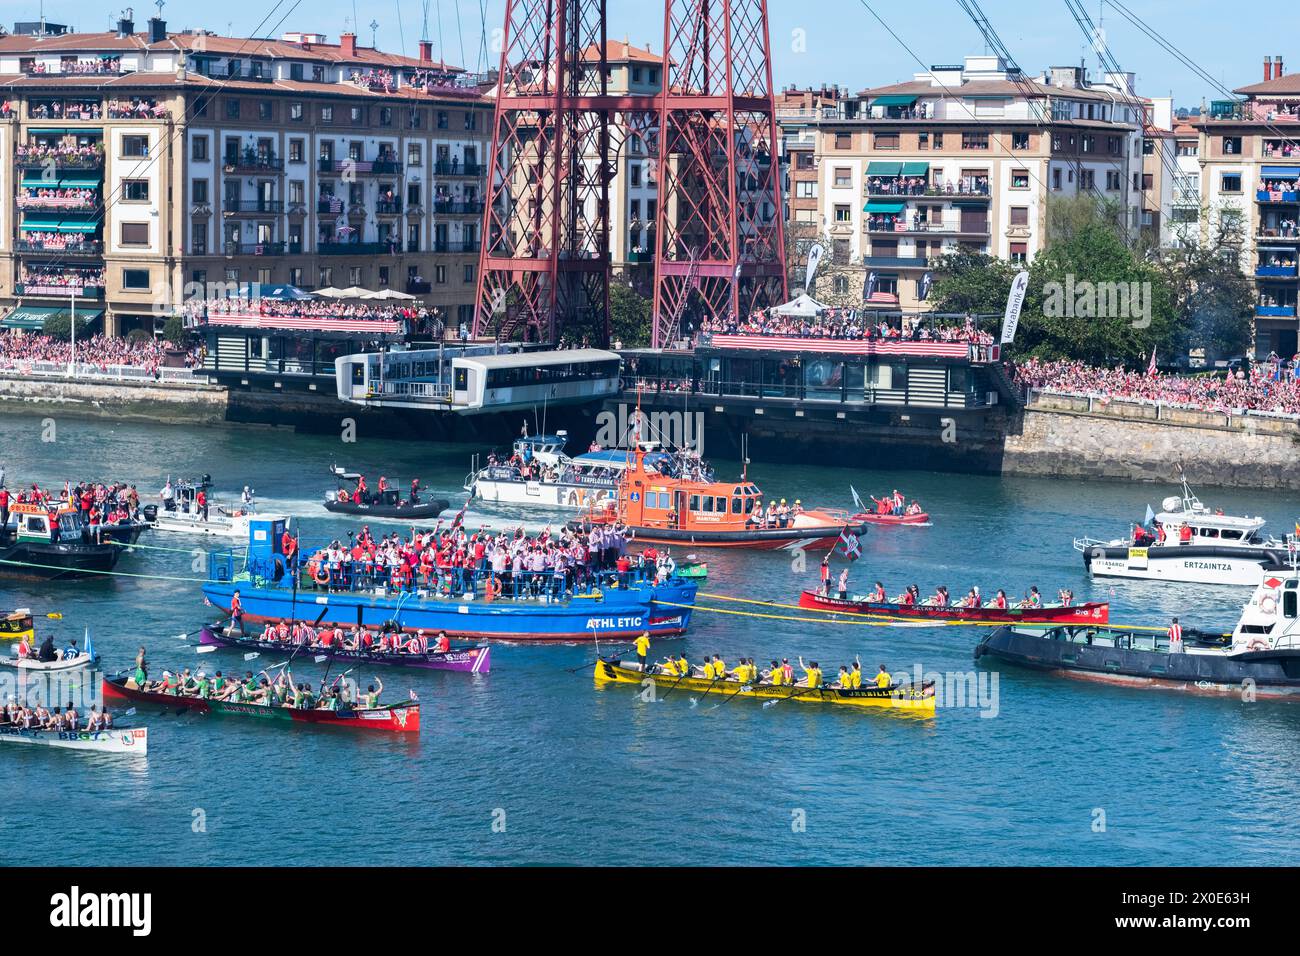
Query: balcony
<point>234,207</point>
<point>1275,311</point>
<point>1285,196</point>
<point>386,208</point>
<point>453,168</point>
<point>1275,234</point>
<point>420,287</point>
<point>1276,272</point>
<point>330,207</point>
<point>639,258</point>
<point>454,208</point>
<point>358,248</point>
<point>82,247</point>
<point>254,248</point>
<point>970,191</point>
<point>896,262</point>
<point>38,160</point>
<point>59,291</point>
<point>375,167</point>
<point>68,204</point>
<point>253,163</point>
<point>465,246</point>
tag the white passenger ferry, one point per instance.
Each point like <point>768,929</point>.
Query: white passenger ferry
<point>1194,544</point>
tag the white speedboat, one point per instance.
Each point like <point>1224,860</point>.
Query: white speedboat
<point>33,665</point>
<point>1189,542</point>
<point>181,513</point>
<point>124,740</point>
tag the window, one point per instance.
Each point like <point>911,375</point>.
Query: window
<point>199,238</point>
<point>1230,183</point>
<point>442,119</point>
<point>1019,140</point>
<point>137,279</point>
<point>325,277</point>
<point>297,192</point>
<point>1087,179</point>
<point>1148,180</point>
<point>1056,178</point>
<point>440,275</point>
<point>295,73</point>
<point>295,275</point>
<point>1019,179</point>
<point>135,147</point>
<point>886,141</point>
<point>471,120</point>
<point>922,140</point>
<point>1232,146</point>
<point>354,275</point>
<point>469,274</point>
<point>1019,215</point>
<point>805,189</point>
<point>1112,179</point>
<point>975,140</point>
<point>413,194</point>
<point>135,234</point>
<point>843,140</point>
<point>232,109</point>
<point>264,110</point>
<point>327,114</point>
<point>296,149</point>
<point>263,276</point>
<point>843,213</point>
<point>199,190</point>
<point>843,178</point>
<point>385,116</point>
<point>135,190</point>
<point>357,114</point>
<point>295,112</point>
<point>199,149</point>
<point>938,140</point>
<point>414,155</point>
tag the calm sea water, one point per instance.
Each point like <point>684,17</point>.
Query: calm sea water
<point>575,772</point>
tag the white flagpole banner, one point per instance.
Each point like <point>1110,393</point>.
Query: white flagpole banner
<point>1015,300</point>
<point>815,253</point>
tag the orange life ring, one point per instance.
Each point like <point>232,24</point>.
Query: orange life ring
<point>1258,644</point>
<point>320,575</point>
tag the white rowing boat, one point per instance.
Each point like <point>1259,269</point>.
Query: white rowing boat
<point>123,740</point>
<point>62,664</point>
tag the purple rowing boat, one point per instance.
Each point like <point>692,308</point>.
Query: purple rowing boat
<point>471,660</point>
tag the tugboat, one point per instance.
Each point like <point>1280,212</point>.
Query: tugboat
<point>664,509</point>
<point>276,587</point>
<point>1263,651</point>
<point>55,542</point>
<point>180,511</point>
<point>1191,543</point>
<point>384,503</point>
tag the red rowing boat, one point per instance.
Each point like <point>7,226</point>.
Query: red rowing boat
<point>396,718</point>
<point>1093,613</point>
<point>870,517</point>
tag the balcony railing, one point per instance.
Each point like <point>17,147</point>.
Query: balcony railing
<point>253,163</point>
<point>61,203</point>
<point>1286,195</point>
<point>1276,272</point>
<point>471,245</point>
<point>1276,311</point>
<point>454,208</point>
<point>453,168</point>
<point>62,160</point>
<point>359,248</point>
<point>83,247</point>
<point>269,206</point>
<point>372,167</point>
<point>942,227</point>
<point>1273,232</point>
<point>927,192</point>
<point>420,287</point>
<point>254,248</point>
<point>386,208</point>
<point>59,291</point>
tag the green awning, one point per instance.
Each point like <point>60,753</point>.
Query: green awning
<point>880,206</point>
<point>884,169</point>
<point>48,131</point>
<point>33,317</point>
<point>973,203</point>
<point>38,183</point>
<point>893,99</point>
<point>916,169</point>
<point>40,225</point>
<point>66,226</point>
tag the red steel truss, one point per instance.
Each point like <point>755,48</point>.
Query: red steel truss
<point>557,139</point>
<point>720,244</point>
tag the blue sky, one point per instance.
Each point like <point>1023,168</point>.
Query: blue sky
<point>844,43</point>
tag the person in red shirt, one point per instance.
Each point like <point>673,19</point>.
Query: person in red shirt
<point>1185,534</point>
<point>4,507</point>
<point>201,503</point>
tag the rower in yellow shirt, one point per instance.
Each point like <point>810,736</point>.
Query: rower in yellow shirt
<point>855,675</point>
<point>679,667</point>
<point>708,669</point>
<point>642,648</point>
<point>719,668</point>
<point>845,681</point>
<point>883,680</point>
<point>812,674</point>
<point>776,675</point>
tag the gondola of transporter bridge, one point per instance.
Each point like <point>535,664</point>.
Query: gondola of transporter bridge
<point>277,577</point>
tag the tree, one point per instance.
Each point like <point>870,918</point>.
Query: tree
<point>174,330</point>
<point>59,326</point>
<point>971,282</point>
<point>629,316</point>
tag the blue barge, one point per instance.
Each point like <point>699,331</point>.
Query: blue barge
<point>608,606</point>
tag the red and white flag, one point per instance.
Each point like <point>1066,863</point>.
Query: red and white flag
<point>1151,366</point>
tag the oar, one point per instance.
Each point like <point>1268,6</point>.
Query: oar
<point>738,690</point>
<point>710,687</point>
<point>797,690</point>
<point>683,677</point>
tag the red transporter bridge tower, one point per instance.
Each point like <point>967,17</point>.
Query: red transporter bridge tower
<point>559,131</point>
<point>720,240</point>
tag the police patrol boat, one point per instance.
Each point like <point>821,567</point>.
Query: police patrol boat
<point>1261,656</point>
<point>1189,542</point>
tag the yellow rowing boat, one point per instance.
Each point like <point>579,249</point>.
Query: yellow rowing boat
<point>908,699</point>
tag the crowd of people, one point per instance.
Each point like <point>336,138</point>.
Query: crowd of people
<point>198,309</point>
<point>373,79</point>
<point>97,504</point>
<point>843,324</point>
<point>1270,386</point>
<point>101,352</point>
<point>58,198</point>
<point>136,108</point>
<point>70,65</point>
<point>60,241</point>
<point>1278,186</point>
<point>66,109</point>
<point>37,716</point>
<point>1281,227</point>
<point>69,154</point>
<point>456,561</point>
<point>37,279</point>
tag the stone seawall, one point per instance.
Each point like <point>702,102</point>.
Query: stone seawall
<point>181,404</point>
<point>1081,438</point>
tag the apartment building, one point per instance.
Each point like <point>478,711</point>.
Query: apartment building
<point>798,113</point>
<point>1249,157</point>
<point>963,157</point>
<point>144,168</point>
<point>1160,171</point>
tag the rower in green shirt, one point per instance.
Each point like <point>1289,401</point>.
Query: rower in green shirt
<point>372,695</point>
